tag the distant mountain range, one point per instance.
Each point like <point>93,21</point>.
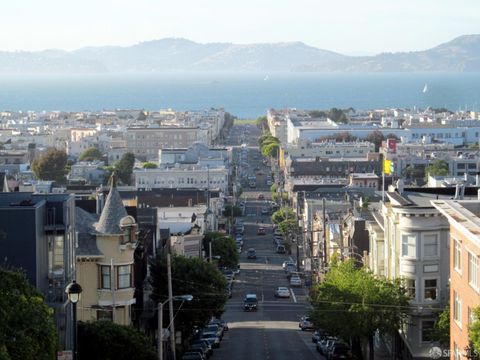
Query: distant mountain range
<point>459,55</point>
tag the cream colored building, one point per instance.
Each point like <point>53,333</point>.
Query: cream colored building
<point>105,262</point>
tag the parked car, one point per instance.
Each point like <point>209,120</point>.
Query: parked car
<point>286,264</point>
<point>339,351</point>
<point>212,338</point>
<point>198,349</point>
<point>260,196</point>
<point>250,303</point>
<point>214,328</point>
<point>318,335</point>
<point>282,292</point>
<point>324,344</point>
<point>261,231</point>
<point>205,345</point>
<point>251,253</point>
<point>295,280</point>
<point>305,323</point>
<point>280,249</point>
<point>221,322</point>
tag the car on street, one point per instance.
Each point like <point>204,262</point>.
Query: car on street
<point>221,322</point>
<point>251,253</point>
<point>250,302</point>
<point>324,344</point>
<point>295,280</point>
<point>265,211</point>
<point>198,349</point>
<point>339,350</point>
<point>282,292</point>
<point>280,249</point>
<point>318,335</point>
<point>261,231</point>
<point>260,196</point>
<point>287,264</point>
<point>212,338</point>
<point>204,344</point>
<point>305,323</point>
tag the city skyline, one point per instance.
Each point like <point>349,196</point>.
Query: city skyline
<point>365,28</point>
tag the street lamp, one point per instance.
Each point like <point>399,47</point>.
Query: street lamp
<point>74,292</point>
<point>160,322</point>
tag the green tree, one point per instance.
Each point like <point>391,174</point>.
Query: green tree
<point>282,214</point>
<point>354,304</point>
<point>270,150</point>
<point>51,165</point>
<point>90,154</point>
<point>195,277</point>
<point>124,167</point>
<point>27,329</point>
<point>442,326</point>
<point>338,116</point>
<point>437,168</point>
<point>344,136</point>
<point>274,188</point>
<point>317,113</point>
<point>101,340</point>
<point>262,122</point>
<point>149,165</point>
<point>474,330</point>
<point>226,249</point>
<point>227,212</point>
<point>376,137</point>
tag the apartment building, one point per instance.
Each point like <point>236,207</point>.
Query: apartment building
<point>464,221</point>
<point>183,177</point>
<point>145,143</point>
<point>409,240</point>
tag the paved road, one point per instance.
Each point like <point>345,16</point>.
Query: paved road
<point>272,332</point>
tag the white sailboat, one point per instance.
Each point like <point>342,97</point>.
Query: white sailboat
<point>425,88</point>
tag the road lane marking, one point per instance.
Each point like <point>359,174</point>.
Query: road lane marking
<point>293,295</point>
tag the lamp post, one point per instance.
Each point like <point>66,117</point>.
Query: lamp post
<point>160,321</point>
<point>74,292</point>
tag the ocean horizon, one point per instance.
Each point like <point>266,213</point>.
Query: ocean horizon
<point>245,95</point>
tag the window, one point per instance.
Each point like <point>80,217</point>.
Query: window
<point>457,255</point>
<point>104,277</point>
<point>428,330</point>
<point>105,314</point>
<point>124,277</point>
<point>430,245</point>
<point>471,316</point>
<point>430,289</point>
<point>408,245</point>
<point>473,270</point>
<point>457,354</point>
<point>457,309</point>
<point>410,287</point>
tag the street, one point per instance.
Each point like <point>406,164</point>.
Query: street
<point>272,331</point>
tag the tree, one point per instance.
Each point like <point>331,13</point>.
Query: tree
<point>438,168</point>
<point>27,329</point>
<point>227,212</point>
<point>474,331</point>
<point>338,116</point>
<point>344,136</point>
<point>375,137</point>
<point>270,150</point>
<point>124,167</point>
<point>283,213</point>
<point>262,122</point>
<point>226,248</point>
<point>195,277</point>
<point>442,326</point>
<point>149,165</point>
<point>106,340</point>
<point>354,304</point>
<point>51,165</point>
<point>90,154</point>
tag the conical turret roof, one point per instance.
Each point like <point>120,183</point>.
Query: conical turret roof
<point>112,212</point>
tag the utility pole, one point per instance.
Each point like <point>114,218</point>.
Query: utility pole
<point>324,220</point>
<point>170,304</point>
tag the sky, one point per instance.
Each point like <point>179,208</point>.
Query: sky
<point>353,27</point>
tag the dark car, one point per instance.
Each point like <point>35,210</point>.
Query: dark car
<point>221,322</point>
<point>318,335</point>
<point>205,346</point>
<point>250,303</point>
<point>251,253</point>
<point>339,351</point>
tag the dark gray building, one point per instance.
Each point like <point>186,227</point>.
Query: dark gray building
<point>37,235</point>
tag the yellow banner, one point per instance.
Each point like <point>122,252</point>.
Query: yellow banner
<point>387,167</point>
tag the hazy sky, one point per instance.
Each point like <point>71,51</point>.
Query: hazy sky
<point>346,26</point>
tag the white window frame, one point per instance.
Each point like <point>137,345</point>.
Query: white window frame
<point>413,298</point>
<point>437,254</point>
<point>473,281</point>
<point>437,297</point>
<point>457,250</point>
<point>408,236</point>
<point>457,309</point>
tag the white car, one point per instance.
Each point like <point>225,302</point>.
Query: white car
<point>295,281</point>
<point>282,292</point>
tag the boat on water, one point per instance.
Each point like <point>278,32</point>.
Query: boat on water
<point>425,88</point>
